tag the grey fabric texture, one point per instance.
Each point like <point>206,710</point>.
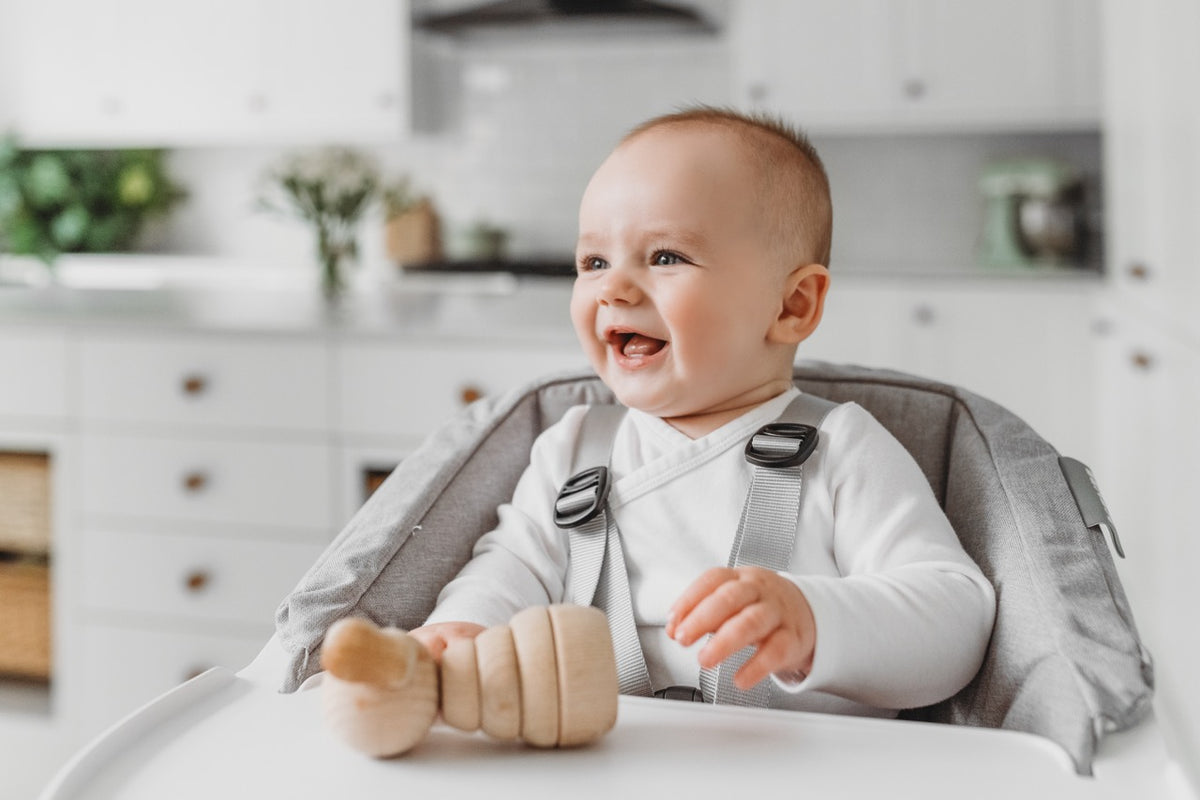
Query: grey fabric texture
<point>1065,660</point>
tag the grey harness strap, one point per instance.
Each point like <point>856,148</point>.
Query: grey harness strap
<point>766,535</point>
<point>596,571</point>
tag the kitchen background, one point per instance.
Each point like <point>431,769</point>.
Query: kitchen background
<point>916,106</point>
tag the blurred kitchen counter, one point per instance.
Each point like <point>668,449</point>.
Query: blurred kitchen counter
<point>205,294</point>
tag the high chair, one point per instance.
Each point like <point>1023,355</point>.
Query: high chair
<point>1061,706</point>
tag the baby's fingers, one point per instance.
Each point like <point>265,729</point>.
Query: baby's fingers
<point>699,589</point>
<point>753,624</point>
<point>715,611</point>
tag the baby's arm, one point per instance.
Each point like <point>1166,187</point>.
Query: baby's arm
<point>904,622</point>
<point>747,606</point>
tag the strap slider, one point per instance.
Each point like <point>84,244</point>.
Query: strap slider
<point>781,444</point>
<point>581,498</point>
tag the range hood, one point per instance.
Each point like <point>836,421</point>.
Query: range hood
<point>566,16</point>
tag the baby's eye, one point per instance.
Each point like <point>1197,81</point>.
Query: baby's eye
<point>592,263</point>
<point>665,258</point>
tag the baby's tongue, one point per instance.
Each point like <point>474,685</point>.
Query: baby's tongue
<point>639,345</point>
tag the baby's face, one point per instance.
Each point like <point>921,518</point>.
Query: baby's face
<point>676,286</point>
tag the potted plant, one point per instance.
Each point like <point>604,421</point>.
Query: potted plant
<point>412,229</point>
<point>79,201</point>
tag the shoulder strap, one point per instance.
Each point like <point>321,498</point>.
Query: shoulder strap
<point>766,535</point>
<point>596,571</point>
<point>584,498</point>
<point>593,448</point>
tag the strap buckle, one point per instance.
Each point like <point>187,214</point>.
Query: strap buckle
<point>686,693</point>
<point>781,444</point>
<point>581,498</point>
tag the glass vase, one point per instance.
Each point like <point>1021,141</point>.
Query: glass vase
<point>335,254</point>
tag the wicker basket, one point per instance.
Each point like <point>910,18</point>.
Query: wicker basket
<point>25,623</point>
<point>25,503</point>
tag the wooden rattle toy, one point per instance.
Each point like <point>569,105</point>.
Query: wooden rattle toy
<point>549,677</point>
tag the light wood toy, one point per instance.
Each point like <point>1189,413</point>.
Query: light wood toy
<point>549,677</point>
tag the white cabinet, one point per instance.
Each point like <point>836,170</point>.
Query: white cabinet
<point>207,489</point>
<point>1027,346</point>
<point>862,65</point>
<point>227,71</point>
<point>216,465</point>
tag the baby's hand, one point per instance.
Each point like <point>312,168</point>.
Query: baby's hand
<point>435,637</point>
<point>743,606</point>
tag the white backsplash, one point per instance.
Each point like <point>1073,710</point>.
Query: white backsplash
<point>512,131</point>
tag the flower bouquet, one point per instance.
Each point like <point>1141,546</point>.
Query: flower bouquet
<point>330,189</point>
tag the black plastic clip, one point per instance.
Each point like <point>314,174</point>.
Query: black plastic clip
<point>781,444</point>
<point>581,498</point>
<point>687,693</point>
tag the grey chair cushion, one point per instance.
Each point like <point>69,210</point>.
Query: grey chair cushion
<point>1065,660</point>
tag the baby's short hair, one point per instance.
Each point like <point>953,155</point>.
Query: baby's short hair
<point>796,185</point>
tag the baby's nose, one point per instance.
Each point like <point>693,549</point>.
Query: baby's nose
<point>619,286</point>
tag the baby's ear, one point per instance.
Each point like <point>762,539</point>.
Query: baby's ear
<point>803,304</point>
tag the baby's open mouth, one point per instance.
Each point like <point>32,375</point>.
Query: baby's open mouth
<point>632,344</point>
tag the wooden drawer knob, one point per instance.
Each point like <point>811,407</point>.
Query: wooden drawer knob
<point>195,481</point>
<point>1142,360</point>
<point>1139,271</point>
<point>194,385</point>
<point>197,580</point>
<point>469,394</point>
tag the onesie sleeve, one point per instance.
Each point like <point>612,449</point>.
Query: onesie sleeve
<point>523,560</point>
<point>906,621</point>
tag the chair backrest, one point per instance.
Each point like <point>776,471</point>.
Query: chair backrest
<point>1065,660</point>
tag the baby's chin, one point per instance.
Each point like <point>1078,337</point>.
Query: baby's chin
<point>659,407</point>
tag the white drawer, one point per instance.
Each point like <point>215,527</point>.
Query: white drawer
<point>407,390</point>
<point>197,577</point>
<point>206,380</point>
<point>33,372</point>
<point>126,667</point>
<point>283,484</point>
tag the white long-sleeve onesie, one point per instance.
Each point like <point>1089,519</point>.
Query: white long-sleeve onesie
<point>903,615</point>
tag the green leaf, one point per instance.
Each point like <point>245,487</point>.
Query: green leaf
<point>69,228</point>
<point>135,186</point>
<point>47,182</point>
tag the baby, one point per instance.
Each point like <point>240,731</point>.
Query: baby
<point>703,240</point>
